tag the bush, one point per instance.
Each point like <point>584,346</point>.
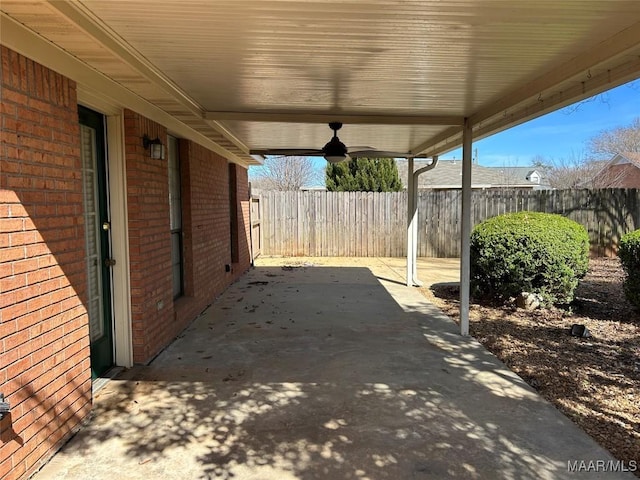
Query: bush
<point>629,253</point>
<point>532,252</point>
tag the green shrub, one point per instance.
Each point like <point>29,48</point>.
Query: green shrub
<point>532,252</point>
<point>629,253</point>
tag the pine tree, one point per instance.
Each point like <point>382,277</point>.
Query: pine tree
<point>363,175</point>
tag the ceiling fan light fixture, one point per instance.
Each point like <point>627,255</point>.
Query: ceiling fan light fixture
<point>335,158</point>
<point>335,151</point>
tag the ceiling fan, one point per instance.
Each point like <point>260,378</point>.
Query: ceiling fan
<point>334,151</point>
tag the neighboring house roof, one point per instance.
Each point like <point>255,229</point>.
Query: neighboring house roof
<point>632,157</point>
<point>448,174</point>
<point>622,171</point>
<point>523,174</point>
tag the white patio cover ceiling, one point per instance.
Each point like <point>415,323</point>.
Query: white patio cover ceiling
<point>251,75</point>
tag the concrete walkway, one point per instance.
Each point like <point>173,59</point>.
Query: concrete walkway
<point>324,372</point>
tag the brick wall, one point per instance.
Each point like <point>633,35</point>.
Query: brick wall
<point>206,228</point>
<point>149,240</point>
<point>244,207</point>
<point>44,337</point>
<point>156,317</point>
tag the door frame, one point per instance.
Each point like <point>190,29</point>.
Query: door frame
<point>102,347</point>
<point>120,291</point>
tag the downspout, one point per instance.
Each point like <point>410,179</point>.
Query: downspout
<point>410,197</point>
<point>412,228</point>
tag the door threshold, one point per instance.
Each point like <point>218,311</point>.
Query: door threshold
<point>99,383</point>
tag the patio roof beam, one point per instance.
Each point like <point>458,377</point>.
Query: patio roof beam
<point>443,142</point>
<point>590,86</point>
<point>85,19</point>
<point>573,81</point>
<point>578,69</point>
<point>19,38</point>
<point>346,118</point>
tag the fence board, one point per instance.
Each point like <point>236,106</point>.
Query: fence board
<point>375,224</point>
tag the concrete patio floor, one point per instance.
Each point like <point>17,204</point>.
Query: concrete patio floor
<point>324,372</point>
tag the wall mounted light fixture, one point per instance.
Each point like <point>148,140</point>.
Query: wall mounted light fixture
<point>5,408</point>
<point>155,146</point>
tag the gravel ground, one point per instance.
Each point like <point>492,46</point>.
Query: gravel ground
<point>594,381</point>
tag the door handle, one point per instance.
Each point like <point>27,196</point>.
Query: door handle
<point>109,262</point>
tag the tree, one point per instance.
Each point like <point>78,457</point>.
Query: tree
<point>576,171</point>
<point>584,170</point>
<point>624,139</point>
<point>364,175</point>
<point>286,173</point>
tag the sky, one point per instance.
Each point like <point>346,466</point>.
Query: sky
<point>562,134</point>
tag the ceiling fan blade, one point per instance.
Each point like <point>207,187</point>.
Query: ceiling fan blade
<point>334,151</point>
<point>359,148</point>
<point>373,153</point>
<point>289,152</point>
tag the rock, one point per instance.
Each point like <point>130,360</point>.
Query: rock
<point>528,301</point>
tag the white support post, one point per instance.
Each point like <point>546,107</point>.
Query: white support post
<point>465,260</point>
<point>410,213</point>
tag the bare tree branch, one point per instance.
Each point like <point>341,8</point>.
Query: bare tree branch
<point>286,173</point>
<point>607,143</point>
<point>576,171</point>
<point>602,98</point>
<point>586,170</point>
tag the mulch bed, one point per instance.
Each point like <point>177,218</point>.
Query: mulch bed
<point>595,381</point>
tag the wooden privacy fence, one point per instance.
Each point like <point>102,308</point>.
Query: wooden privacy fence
<point>365,224</point>
<point>255,215</point>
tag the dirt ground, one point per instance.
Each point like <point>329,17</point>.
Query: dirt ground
<point>595,381</point>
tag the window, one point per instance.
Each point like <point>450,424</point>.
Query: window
<point>175,215</point>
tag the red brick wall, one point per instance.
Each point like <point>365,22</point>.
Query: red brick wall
<point>44,336</point>
<point>244,206</point>
<point>206,228</point>
<point>149,240</point>
<point>156,317</point>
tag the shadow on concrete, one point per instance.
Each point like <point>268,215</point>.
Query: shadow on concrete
<point>322,373</point>
<point>391,280</point>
